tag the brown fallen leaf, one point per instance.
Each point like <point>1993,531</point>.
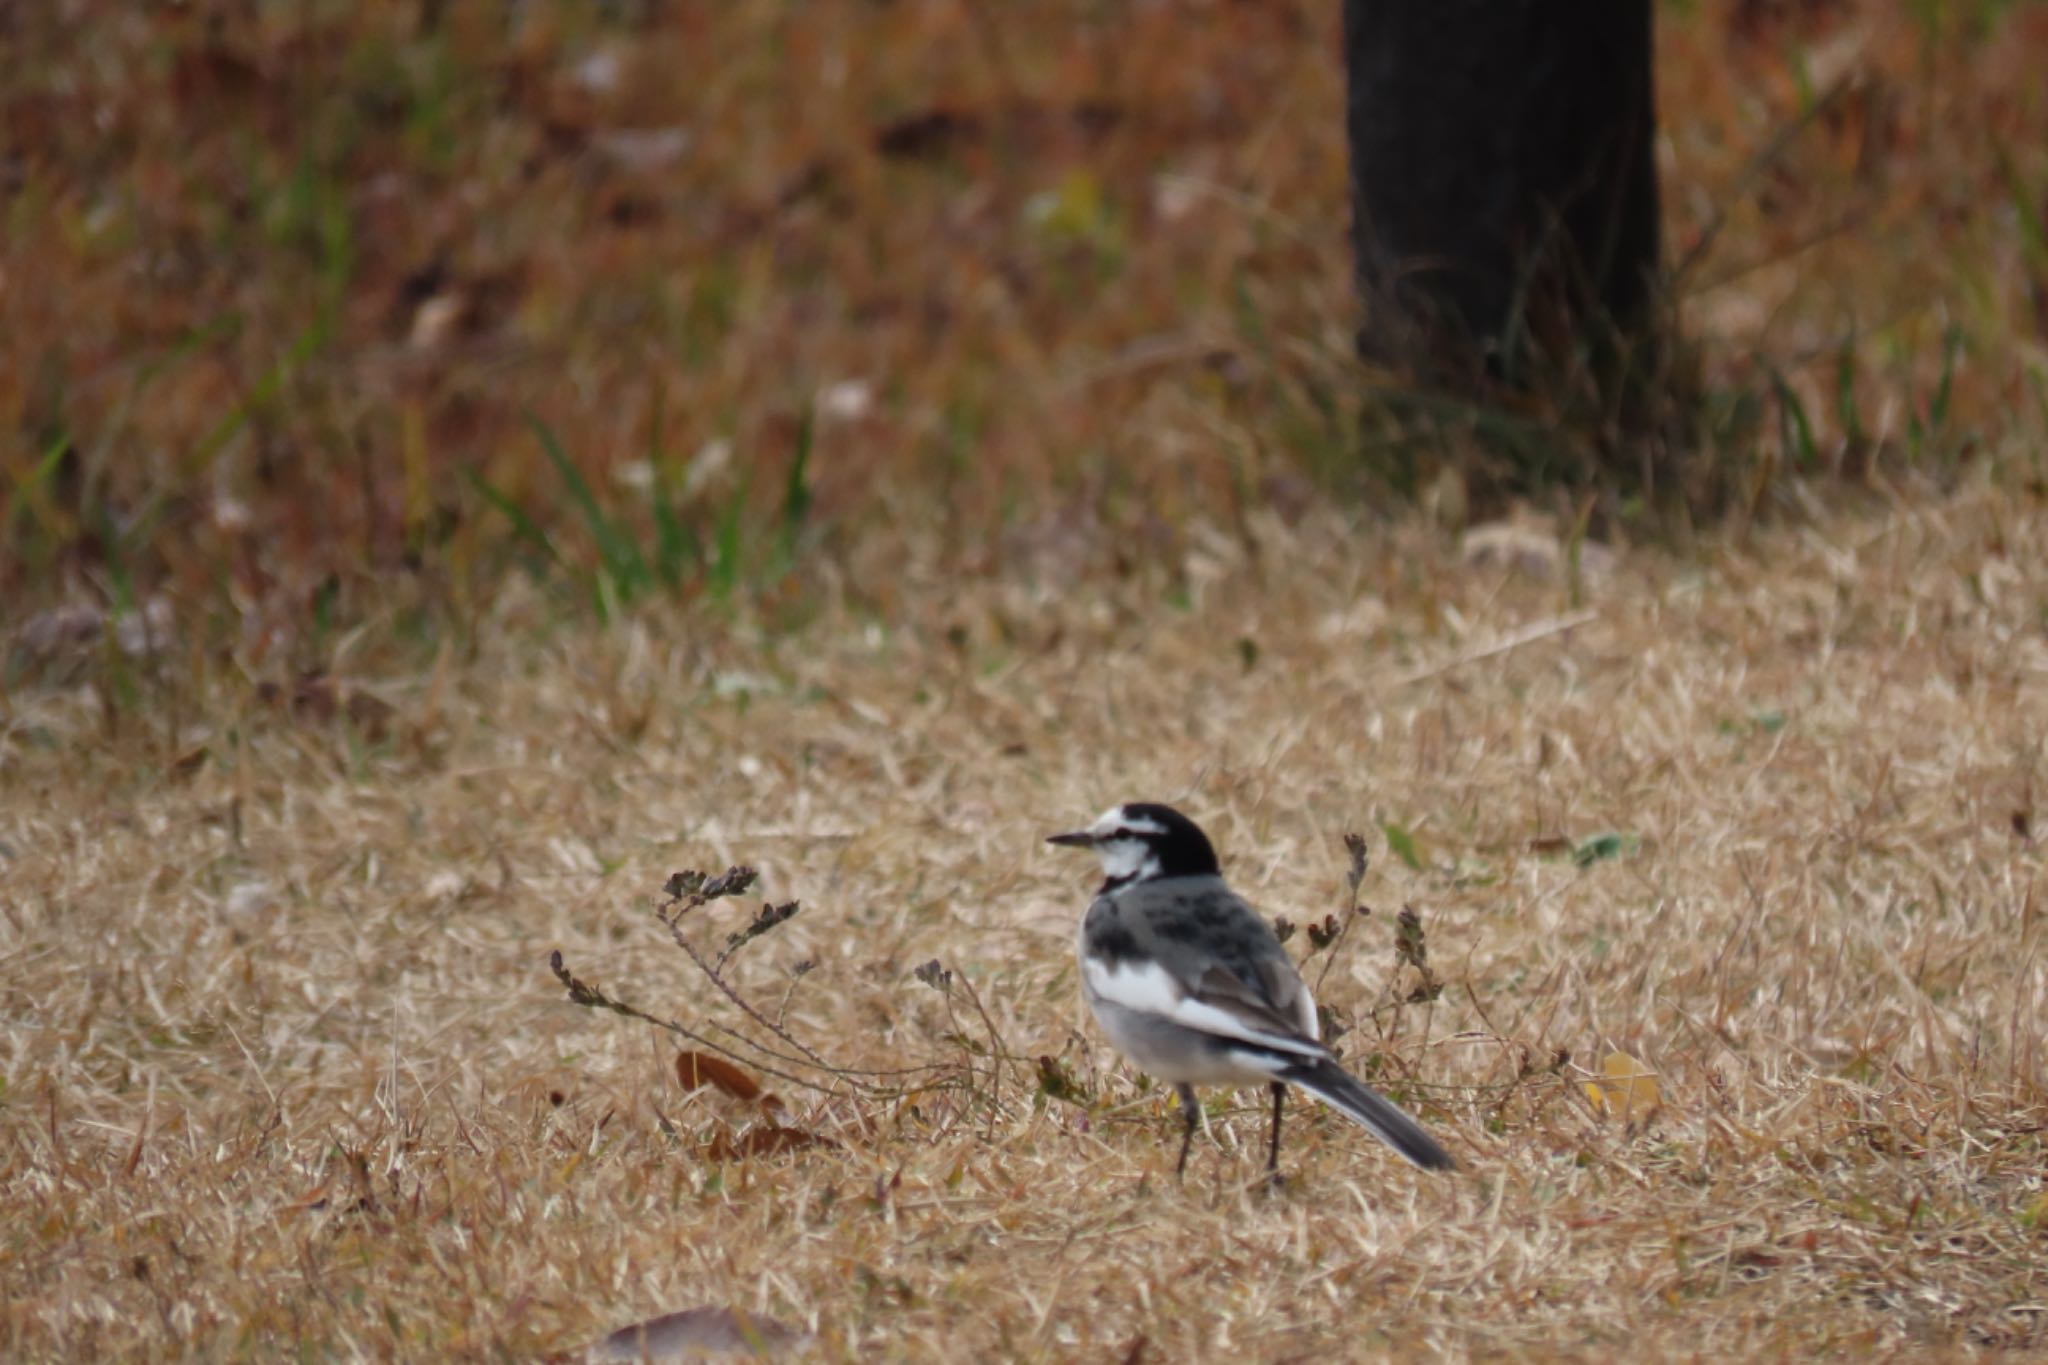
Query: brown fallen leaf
<point>698,1069</point>
<point>696,1332</point>
<point>320,697</point>
<point>765,1140</point>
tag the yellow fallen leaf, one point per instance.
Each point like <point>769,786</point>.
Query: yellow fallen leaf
<point>2036,1213</point>
<point>1628,1088</point>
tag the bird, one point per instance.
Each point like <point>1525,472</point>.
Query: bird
<point>1192,985</point>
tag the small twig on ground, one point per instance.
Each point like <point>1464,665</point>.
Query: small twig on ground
<point>770,916</point>
<point>1557,625</point>
<point>715,976</point>
<point>590,997</point>
<point>1411,947</point>
<point>997,1055</point>
<point>796,975</point>
<point>1361,859</point>
<point>688,891</point>
<point>940,979</point>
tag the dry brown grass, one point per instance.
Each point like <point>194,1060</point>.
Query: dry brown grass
<point>285,1064</point>
<point>282,1066</point>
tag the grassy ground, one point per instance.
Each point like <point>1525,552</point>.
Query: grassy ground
<point>286,1062</point>
<point>289,286</point>
<point>303,775</point>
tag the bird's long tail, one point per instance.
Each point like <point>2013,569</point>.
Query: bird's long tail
<point>1330,1083</point>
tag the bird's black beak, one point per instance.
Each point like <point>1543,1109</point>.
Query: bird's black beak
<point>1078,839</point>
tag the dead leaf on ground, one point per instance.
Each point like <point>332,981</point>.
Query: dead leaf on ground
<point>698,1332</point>
<point>320,697</point>
<point>1628,1088</point>
<point>766,1140</point>
<point>698,1069</point>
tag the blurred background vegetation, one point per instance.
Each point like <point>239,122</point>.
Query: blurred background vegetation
<point>325,316</point>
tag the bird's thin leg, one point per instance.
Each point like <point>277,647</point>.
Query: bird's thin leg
<point>1189,1119</point>
<point>1273,1155</point>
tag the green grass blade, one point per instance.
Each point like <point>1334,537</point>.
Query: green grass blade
<point>523,526</point>
<point>725,563</point>
<point>796,489</point>
<point>616,549</point>
<point>1402,844</point>
<point>28,488</point>
<point>1602,847</point>
<point>1937,405</point>
<point>302,349</point>
<point>1795,432</point>
<point>1846,408</point>
<point>675,540</point>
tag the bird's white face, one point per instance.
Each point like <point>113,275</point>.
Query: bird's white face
<point>1121,841</point>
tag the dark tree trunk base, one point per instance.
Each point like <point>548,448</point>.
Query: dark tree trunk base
<point>1504,186</point>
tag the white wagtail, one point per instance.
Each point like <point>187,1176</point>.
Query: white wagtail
<point>1192,985</point>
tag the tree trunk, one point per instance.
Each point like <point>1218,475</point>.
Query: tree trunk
<point>1504,185</point>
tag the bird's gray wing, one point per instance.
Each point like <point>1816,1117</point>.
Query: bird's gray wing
<point>1289,993</point>
<point>1268,1004</point>
<point>1193,953</point>
<point>1195,928</point>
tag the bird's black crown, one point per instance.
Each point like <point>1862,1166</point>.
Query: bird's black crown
<point>1178,842</point>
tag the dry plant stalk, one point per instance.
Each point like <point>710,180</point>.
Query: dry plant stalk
<point>770,1045</point>
<point>1360,856</point>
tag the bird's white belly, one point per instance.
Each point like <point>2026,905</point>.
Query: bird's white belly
<point>1169,1052</point>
